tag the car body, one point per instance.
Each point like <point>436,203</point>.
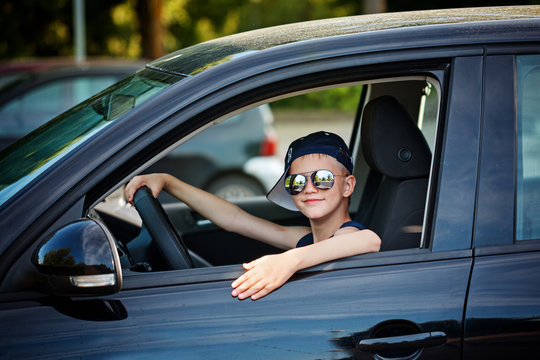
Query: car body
<point>33,92</point>
<point>448,97</point>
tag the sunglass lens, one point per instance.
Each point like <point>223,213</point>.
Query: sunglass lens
<point>323,179</point>
<point>295,184</point>
<point>298,184</point>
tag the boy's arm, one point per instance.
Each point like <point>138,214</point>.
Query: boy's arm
<point>268,273</point>
<point>221,212</point>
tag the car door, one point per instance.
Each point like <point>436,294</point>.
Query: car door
<point>503,306</point>
<point>394,304</point>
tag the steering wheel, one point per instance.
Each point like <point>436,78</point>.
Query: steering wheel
<point>168,241</point>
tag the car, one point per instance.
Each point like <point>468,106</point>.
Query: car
<point>445,143</point>
<point>33,92</point>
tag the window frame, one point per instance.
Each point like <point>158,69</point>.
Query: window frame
<point>496,209</point>
<point>440,73</point>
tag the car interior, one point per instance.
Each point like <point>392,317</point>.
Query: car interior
<point>399,156</point>
<point>392,137</point>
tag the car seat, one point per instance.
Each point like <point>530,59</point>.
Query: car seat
<point>395,148</point>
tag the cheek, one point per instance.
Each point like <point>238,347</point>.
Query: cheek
<point>339,188</point>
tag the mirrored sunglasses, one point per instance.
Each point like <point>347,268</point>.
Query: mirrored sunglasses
<point>321,179</point>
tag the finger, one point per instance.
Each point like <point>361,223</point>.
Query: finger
<point>255,288</point>
<point>129,194</point>
<point>246,275</point>
<point>242,283</point>
<point>249,265</point>
<point>131,188</point>
<point>240,280</point>
<point>262,293</point>
<point>248,283</point>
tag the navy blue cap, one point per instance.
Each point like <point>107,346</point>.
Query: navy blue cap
<point>321,142</point>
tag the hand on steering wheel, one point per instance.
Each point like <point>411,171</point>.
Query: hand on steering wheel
<point>168,241</point>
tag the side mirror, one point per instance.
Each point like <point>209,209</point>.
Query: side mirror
<point>80,259</point>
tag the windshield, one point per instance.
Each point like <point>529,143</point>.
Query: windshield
<point>33,154</point>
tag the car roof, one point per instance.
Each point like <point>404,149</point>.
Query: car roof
<point>197,58</point>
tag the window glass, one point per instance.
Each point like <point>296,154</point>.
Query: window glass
<point>39,150</point>
<point>84,87</point>
<point>33,109</point>
<point>48,98</point>
<point>29,111</point>
<point>428,113</point>
<point>528,148</point>
<point>10,122</point>
<point>42,104</point>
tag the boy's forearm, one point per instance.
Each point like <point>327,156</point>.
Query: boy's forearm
<point>335,248</point>
<point>214,208</point>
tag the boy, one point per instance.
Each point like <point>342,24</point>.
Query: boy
<point>318,182</point>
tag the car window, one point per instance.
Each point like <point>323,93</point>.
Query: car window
<point>34,108</point>
<point>528,144</point>
<point>47,99</point>
<point>428,113</point>
<point>229,156</point>
<point>74,127</point>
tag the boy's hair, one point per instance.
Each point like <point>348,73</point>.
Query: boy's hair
<point>316,143</point>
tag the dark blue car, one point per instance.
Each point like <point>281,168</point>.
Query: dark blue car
<point>445,142</point>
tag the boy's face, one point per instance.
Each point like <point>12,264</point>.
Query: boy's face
<point>313,202</point>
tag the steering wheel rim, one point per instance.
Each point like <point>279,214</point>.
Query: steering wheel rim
<point>169,243</point>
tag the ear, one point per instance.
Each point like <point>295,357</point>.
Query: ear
<point>350,183</point>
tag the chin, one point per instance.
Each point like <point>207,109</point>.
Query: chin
<point>313,213</point>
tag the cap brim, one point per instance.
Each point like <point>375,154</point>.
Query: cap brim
<point>278,195</point>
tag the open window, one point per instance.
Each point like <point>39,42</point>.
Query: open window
<point>257,139</point>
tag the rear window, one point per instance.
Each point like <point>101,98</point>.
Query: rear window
<point>528,146</point>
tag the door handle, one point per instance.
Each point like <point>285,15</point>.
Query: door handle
<point>403,342</point>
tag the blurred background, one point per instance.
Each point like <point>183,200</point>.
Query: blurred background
<point>56,53</point>
<point>151,28</point>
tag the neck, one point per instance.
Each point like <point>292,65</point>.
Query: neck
<point>325,227</point>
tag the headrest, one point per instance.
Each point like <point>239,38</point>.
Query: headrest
<point>391,141</point>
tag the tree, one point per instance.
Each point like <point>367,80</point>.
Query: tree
<point>151,28</point>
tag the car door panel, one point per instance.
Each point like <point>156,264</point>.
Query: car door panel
<point>319,314</point>
<point>503,307</point>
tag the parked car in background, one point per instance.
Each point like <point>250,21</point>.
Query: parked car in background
<point>32,93</point>
<point>445,145</point>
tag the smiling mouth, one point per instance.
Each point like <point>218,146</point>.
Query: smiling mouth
<point>311,201</point>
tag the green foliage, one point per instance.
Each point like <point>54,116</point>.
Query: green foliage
<point>33,28</point>
<point>343,99</point>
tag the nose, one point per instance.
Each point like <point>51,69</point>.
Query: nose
<point>309,188</point>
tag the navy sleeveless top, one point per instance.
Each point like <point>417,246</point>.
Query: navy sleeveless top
<point>308,238</point>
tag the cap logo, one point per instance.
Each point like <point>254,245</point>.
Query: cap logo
<point>289,155</point>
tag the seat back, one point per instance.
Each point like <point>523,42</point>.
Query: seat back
<point>394,147</point>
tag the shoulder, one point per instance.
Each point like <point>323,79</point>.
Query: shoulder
<point>350,227</point>
<point>305,240</point>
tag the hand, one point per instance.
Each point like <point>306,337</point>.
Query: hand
<point>155,182</point>
<point>263,276</point>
